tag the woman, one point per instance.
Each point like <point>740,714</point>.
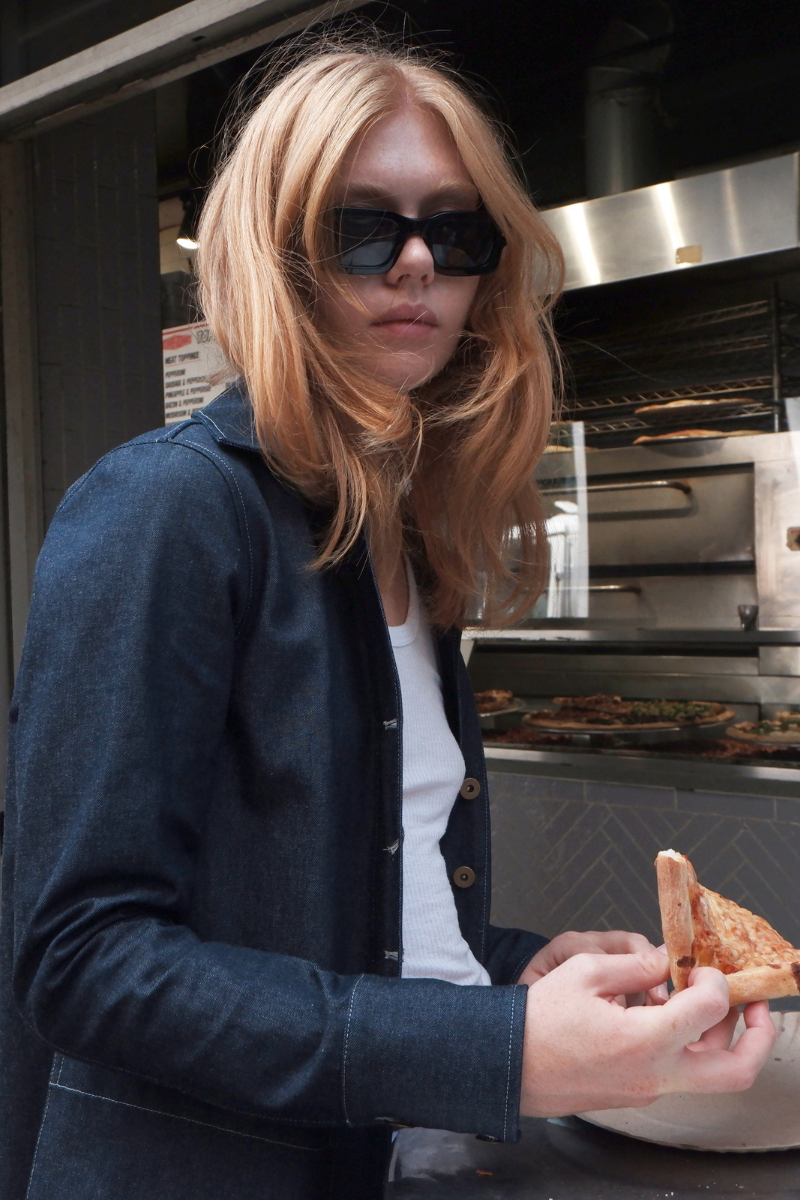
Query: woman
<point>246,881</point>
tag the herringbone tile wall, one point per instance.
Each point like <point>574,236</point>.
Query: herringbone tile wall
<point>575,855</point>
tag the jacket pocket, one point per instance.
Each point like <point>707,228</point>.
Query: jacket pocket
<point>145,1141</point>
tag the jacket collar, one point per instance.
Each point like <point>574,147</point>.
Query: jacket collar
<point>229,419</point>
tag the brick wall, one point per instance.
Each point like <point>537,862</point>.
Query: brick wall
<point>579,855</point>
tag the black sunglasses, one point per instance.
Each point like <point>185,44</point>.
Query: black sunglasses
<point>461,243</point>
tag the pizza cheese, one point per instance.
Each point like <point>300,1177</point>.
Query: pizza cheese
<point>782,729</point>
<point>703,929</point>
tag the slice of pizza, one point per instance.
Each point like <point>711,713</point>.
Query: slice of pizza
<point>703,929</point>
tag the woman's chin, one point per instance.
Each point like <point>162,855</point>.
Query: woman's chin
<point>406,372</point>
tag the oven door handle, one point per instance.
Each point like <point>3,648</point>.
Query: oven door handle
<point>677,484</point>
<point>615,587</point>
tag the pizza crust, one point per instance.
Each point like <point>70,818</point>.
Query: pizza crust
<point>702,928</point>
<point>672,873</point>
<point>764,983</point>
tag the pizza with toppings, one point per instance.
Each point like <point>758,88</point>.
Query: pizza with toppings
<point>493,700</point>
<point>581,714</point>
<point>703,929</point>
<point>781,730</point>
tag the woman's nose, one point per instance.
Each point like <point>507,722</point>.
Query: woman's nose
<point>415,262</point>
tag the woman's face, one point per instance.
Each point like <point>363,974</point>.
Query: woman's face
<point>408,321</point>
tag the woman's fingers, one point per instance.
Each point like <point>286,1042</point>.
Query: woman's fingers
<point>709,1066</point>
<point>759,1030</point>
<point>611,975</point>
<point>585,1050</point>
<point>731,1070</point>
<point>698,1007</point>
<point>567,945</point>
<point>617,941</point>
<point>657,995</point>
<point>719,1036</point>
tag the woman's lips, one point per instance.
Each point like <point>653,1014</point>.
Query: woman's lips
<point>407,323</point>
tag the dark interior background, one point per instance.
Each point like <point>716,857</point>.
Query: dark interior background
<point>729,86</point>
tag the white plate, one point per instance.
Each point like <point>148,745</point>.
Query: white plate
<point>767,1117</point>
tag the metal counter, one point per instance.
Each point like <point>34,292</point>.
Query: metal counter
<point>567,1159</point>
<point>614,767</point>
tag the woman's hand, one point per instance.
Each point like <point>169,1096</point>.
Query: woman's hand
<point>567,945</point>
<point>583,1051</point>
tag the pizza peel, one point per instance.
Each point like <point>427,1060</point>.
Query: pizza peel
<point>765,1117</point>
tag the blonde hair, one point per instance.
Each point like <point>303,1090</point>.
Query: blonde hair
<point>450,463</point>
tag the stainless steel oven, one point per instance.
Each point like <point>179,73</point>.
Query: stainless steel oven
<point>672,494</point>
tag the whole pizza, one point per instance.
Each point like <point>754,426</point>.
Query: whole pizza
<point>610,714</point>
<point>781,730</point>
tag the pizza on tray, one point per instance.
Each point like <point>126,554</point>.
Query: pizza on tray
<point>683,434</point>
<point>609,714</point>
<point>493,700</point>
<point>671,405</point>
<point>703,929</point>
<point>781,730</point>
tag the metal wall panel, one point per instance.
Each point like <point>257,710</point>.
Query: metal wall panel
<point>97,284</point>
<point>711,218</point>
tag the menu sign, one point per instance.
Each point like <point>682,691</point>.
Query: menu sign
<point>191,360</point>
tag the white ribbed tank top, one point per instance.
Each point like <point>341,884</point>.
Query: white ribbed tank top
<point>433,771</point>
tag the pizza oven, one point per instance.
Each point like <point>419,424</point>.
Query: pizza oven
<point>671,489</point>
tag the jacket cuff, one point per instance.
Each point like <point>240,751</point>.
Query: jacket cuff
<point>424,1052</point>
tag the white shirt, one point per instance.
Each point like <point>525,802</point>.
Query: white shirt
<point>433,771</point>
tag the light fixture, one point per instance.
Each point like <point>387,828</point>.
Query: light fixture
<point>185,238</point>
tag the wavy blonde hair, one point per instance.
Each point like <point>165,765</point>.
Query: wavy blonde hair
<point>450,464</point>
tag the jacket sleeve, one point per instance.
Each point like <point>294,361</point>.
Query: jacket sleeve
<point>122,698</point>
<point>508,952</point>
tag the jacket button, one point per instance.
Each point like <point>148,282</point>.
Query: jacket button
<point>463,877</point>
<point>470,788</point>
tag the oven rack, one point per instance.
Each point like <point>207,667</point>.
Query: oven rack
<point>747,322</point>
<point>673,367</point>
<point>715,390</point>
<point>634,424</point>
<point>740,343</point>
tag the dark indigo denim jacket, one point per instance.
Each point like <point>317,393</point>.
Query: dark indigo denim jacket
<point>202,871</point>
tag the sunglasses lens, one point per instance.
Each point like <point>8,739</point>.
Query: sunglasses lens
<point>367,240</point>
<point>464,243</point>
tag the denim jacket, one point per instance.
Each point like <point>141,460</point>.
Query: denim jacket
<point>201,937</point>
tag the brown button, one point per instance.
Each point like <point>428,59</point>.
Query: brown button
<point>470,788</point>
<point>463,877</point>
